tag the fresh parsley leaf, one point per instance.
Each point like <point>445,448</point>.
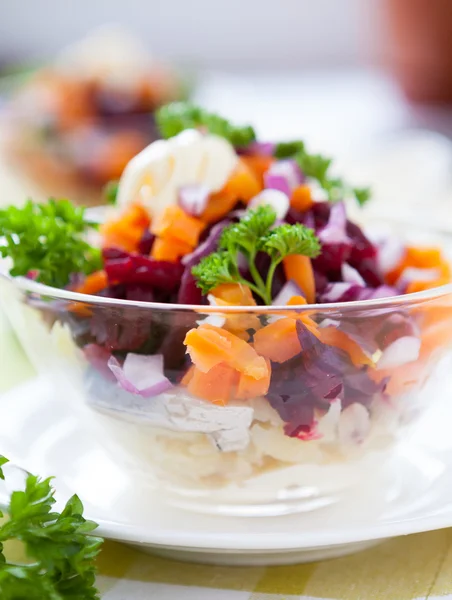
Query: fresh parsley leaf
<point>215,269</point>
<point>61,554</point>
<point>3,461</point>
<point>245,234</point>
<point>317,167</point>
<point>49,239</point>
<point>110,192</point>
<point>286,239</point>
<point>288,149</point>
<point>178,116</point>
<point>253,234</point>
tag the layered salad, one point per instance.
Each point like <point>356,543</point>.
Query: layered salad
<point>76,123</point>
<point>228,320</point>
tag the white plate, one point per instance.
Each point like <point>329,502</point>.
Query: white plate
<point>38,432</point>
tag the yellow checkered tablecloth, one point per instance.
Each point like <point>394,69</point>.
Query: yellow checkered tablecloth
<point>409,568</point>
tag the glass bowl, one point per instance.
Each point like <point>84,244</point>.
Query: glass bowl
<point>325,423</point>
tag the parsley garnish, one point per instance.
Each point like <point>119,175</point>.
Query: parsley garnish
<point>253,234</point>
<point>48,238</point>
<point>61,554</point>
<point>110,192</point>
<point>178,116</point>
<point>316,166</point>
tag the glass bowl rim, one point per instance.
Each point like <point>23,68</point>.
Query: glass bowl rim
<point>29,285</point>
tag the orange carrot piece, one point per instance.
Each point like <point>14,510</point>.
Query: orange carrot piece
<point>337,338</point>
<point>169,249</point>
<point>217,385</point>
<point>301,198</point>
<point>175,223</point>
<point>219,205</point>
<point>278,341</point>
<point>297,301</point>
<point>424,257</point>
<point>209,346</point>
<point>243,183</point>
<point>126,231</point>
<point>299,268</point>
<point>259,165</point>
<point>93,283</point>
<point>234,293</point>
<point>248,387</point>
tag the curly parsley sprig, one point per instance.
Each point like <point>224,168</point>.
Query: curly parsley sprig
<point>49,239</point>
<point>178,116</point>
<point>253,234</point>
<point>61,554</point>
<point>316,166</point>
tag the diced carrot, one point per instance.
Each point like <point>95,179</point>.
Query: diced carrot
<point>259,165</point>
<point>234,293</point>
<point>249,387</point>
<point>401,379</point>
<point>424,257</point>
<point>301,198</point>
<point>419,257</point>
<point>299,268</point>
<point>126,231</point>
<point>93,283</point>
<point>337,338</point>
<point>278,341</point>
<point>220,204</point>
<point>217,385</point>
<point>169,249</point>
<point>243,183</point>
<point>209,346</point>
<point>296,301</point>
<point>175,223</point>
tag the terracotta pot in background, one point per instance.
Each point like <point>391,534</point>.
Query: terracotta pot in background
<point>419,47</point>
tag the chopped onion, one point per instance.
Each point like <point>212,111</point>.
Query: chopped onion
<point>194,199</point>
<point>278,200</point>
<point>354,424</point>
<point>390,254</point>
<point>351,275</point>
<point>288,291</point>
<point>411,274</point>
<point>283,175</point>
<point>140,375</point>
<point>335,231</point>
<point>216,320</point>
<point>341,292</point>
<point>208,246</point>
<point>404,350</point>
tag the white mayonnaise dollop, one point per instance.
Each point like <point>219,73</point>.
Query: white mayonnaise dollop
<point>155,176</point>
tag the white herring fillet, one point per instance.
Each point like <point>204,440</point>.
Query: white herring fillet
<point>228,426</point>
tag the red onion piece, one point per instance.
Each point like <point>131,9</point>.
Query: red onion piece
<point>288,291</point>
<point>193,199</point>
<point>351,275</point>
<point>283,175</point>
<point>140,375</point>
<point>335,231</point>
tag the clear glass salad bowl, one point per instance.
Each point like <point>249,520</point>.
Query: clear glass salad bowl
<point>310,438</point>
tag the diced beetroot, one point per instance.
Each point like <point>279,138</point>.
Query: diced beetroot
<point>331,259</point>
<point>139,293</point>
<point>189,292</point>
<point>146,243</point>
<point>368,269</point>
<point>113,254</point>
<point>118,329</point>
<point>141,269</point>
